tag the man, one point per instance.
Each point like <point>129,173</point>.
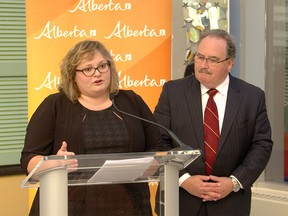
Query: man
<point>241,137</point>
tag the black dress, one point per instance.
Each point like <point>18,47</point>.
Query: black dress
<point>105,132</point>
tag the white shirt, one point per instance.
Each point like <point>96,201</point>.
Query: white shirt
<point>220,99</point>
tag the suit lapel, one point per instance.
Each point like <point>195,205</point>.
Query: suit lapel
<point>232,106</point>
<point>194,102</point>
<point>193,99</point>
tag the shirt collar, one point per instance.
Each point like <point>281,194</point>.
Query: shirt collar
<point>222,88</point>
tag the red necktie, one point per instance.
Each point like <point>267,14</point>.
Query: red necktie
<point>211,131</point>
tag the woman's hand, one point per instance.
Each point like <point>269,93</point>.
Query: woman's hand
<point>63,150</point>
<point>71,164</point>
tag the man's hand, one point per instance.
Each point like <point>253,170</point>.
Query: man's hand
<point>218,188</point>
<point>194,184</point>
<point>208,188</point>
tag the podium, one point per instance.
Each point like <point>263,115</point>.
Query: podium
<point>53,175</point>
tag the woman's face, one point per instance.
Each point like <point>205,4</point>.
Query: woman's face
<point>96,85</point>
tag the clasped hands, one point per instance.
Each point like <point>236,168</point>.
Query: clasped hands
<point>208,188</point>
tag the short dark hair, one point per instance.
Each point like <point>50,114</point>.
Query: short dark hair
<point>220,33</point>
<point>189,70</point>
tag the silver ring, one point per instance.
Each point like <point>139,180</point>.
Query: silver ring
<point>65,157</point>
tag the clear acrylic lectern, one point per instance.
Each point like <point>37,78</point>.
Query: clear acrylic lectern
<point>53,175</point>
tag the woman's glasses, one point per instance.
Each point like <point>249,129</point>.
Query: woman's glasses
<point>90,71</point>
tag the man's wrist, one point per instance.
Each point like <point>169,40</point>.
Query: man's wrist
<point>183,178</point>
<point>235,183</point>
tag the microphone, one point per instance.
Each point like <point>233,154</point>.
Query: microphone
<point>181,145</point>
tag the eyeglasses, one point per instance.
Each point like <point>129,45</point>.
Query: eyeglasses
<point>209,60</point>
<point>90,71</point>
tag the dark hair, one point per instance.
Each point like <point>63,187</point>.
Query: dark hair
<point>189,70</point>
<point>220,33</point>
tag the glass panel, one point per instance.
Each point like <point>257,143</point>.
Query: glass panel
<point>111,168</point>
<point>276,92</point>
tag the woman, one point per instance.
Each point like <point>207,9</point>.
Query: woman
<point>80,119</point>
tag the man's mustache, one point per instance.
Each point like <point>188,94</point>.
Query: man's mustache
<point>203,70</point>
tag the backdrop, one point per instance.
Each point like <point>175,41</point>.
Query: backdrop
<point>137,33</point>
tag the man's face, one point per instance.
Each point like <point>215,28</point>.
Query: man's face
<point>211,63</point>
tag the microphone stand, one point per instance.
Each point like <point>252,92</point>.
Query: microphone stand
<point>181,145</point>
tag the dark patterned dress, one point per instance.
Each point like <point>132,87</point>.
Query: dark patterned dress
<point>105,132</point>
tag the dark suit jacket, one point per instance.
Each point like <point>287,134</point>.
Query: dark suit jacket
<point>245,143</point>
